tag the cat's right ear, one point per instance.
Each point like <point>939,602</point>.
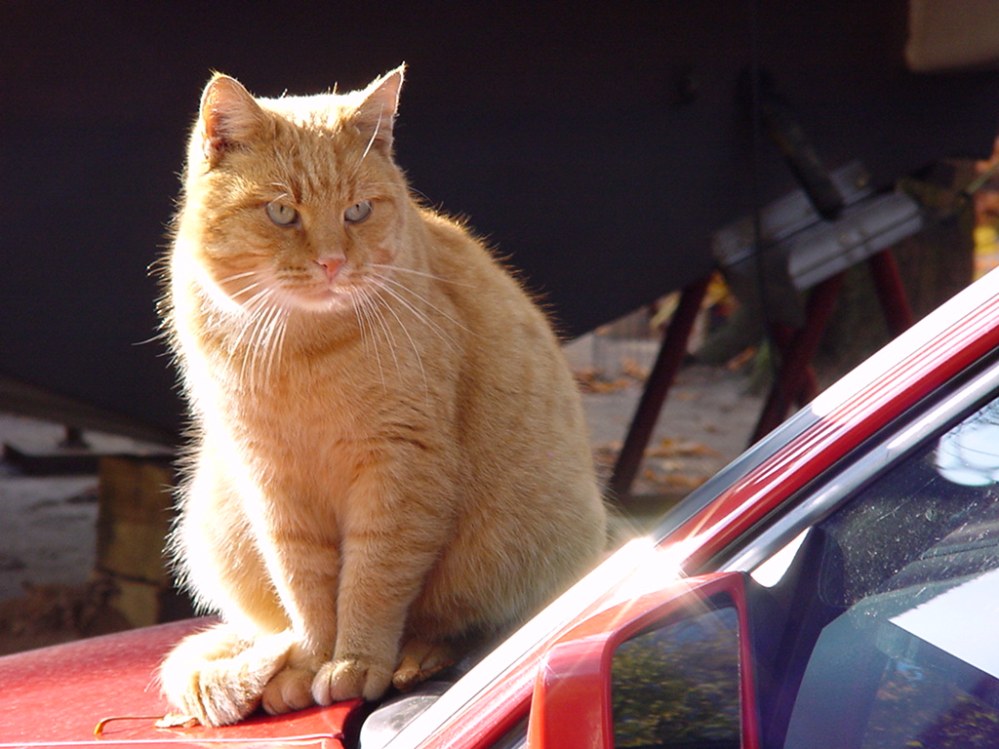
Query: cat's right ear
<point>375,116</point>
<point>230,116</point>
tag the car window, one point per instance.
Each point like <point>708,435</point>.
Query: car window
<point>880,633</point>
<point>678,684</point>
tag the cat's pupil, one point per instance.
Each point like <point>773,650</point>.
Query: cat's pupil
<point>281,213</point>
<point>357,212</point>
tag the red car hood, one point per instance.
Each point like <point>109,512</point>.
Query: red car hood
<point>115,677</point>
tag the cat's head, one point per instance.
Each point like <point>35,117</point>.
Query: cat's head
<point>293,202</point>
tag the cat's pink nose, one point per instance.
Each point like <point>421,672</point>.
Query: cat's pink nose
<point>331,265</point>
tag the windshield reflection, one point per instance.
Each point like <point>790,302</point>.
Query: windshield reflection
<point>969,454</point>
<point>954,622</point>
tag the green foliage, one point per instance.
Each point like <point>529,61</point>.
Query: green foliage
<point>679,684</point>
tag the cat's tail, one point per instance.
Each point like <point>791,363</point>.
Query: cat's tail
<point>217,677</point>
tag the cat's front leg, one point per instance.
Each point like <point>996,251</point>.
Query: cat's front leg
<point>387,555</point>
<point>304,562</point>
<point>367,646</point>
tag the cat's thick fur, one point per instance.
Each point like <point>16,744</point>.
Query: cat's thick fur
<point>389,454</point>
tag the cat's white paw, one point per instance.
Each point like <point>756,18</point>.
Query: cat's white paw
<point>348,678</point>
<point>217,678</point>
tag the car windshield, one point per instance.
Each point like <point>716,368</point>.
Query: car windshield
<point>879,633</point>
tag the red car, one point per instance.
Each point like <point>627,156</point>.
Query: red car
<point>837,585</point>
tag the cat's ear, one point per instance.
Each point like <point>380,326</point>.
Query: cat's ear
<point>375,115</point>
<point>230,116</point>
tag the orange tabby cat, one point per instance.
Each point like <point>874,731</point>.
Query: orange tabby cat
<point>390,456</point>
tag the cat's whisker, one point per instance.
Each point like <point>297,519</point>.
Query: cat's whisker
<point>423,300</point>
<point>379,317</point>
<point>286,191</point>
<point>422,317</point>
<point>260,347</point>
<point>253,334</point>
<point>275,340</point>
<point>238,276</point>
<point>368,339</point>
<point>260,369</point>
<point>250,287</point>
<point>251,309</point>
<point>421,274</point>
<point>252,305</point>
<point>260,301</point>
<point>257,282</point>
<point>246,342</point>
<point>273,343</point>
<point>254,290</point>
<point>395,289</point>
<point>236,342</point>
<point>421,194</point>
<point>163,335</point>
<point>412,343</point>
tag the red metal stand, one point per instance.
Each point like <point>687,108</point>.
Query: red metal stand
<point>668,361</point>
<point>891,292</point>
<point>795,380</point>
<point>798,347</point>
<point>796,354</point>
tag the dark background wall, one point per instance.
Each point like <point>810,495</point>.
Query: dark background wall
<point>596,144</point>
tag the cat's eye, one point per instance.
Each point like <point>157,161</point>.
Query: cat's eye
<point>281,213</point>
<point>357,212</point>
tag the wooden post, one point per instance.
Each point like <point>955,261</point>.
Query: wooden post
<point>134,518</point>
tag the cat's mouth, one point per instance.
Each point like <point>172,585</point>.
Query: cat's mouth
<point>319,295</point>
<point>302,290</point>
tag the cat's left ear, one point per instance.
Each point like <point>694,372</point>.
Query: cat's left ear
<point>230,117</point>
<point>375,115</point>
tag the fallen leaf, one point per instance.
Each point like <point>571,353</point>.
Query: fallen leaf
<point>670,448</point>
<point>177,720</point>
<point>634,370</point>
<point>593,381</point>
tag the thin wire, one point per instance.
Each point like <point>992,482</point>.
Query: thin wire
<point>756,112</point>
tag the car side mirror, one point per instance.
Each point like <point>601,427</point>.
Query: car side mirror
<point>669,666</point>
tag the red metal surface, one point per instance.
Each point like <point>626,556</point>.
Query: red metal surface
<point>57,696</point>
<point>570,703</point>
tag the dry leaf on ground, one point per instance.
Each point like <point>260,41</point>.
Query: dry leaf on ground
<point>671,448</point>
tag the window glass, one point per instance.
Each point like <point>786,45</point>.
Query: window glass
<point>678,685</point>
<point>881,633</point>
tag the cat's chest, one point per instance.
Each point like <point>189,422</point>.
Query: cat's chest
<point>307,419</point>
<point>298,450</point>
<point>318,423</point>
<point>312,423</point>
